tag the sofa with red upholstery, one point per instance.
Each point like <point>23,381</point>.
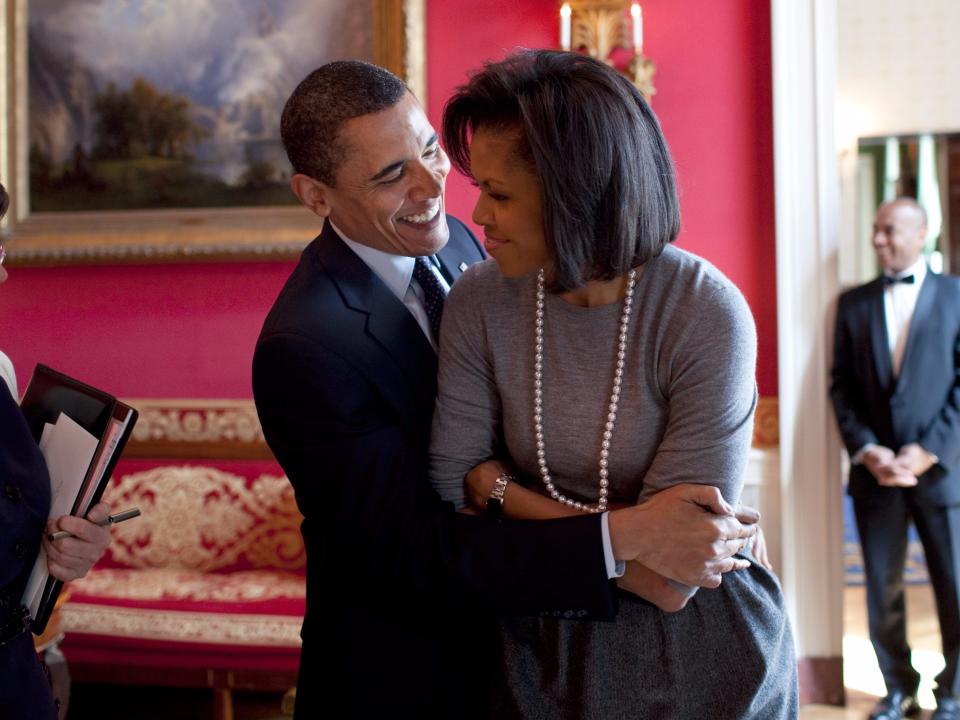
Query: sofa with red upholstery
<point>207,587</point>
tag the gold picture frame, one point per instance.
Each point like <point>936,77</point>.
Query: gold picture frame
<point>136,236</point>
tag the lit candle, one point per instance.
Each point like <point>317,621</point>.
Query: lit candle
<point>565,26</point>
<point>637,28</point>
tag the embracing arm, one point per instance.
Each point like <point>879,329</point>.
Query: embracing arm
<point>521,503</point>
<point>371,516</point>
<point>708,372</point>
<point>467,431</point>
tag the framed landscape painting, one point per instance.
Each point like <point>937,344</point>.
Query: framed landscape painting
<point>137,129</point>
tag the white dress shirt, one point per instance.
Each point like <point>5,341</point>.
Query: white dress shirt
<point>396,272</point>
<point>899,302</point>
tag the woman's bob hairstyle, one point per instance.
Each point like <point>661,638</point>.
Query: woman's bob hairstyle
<point>609,194</point>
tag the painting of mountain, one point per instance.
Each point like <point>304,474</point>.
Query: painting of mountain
<point>148,104</point>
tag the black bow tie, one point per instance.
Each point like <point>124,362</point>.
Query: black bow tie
<point>908,279</point>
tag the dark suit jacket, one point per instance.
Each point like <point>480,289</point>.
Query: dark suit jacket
<point>921,405</point>
<point>24,504</point>
<point>344,381</point>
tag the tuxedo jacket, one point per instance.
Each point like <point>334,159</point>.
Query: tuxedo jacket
<point>921,405</point>
<point>344,382</point>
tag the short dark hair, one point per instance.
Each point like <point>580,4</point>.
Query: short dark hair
<point>315,113</point>
<point>4,201</point>
<point>609,194</point>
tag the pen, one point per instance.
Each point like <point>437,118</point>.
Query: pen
<point>115,518</point>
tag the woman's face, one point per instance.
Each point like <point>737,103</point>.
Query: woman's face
<point>509,207</point>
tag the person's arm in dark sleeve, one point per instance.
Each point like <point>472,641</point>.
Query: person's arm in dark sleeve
<point>364,492</point>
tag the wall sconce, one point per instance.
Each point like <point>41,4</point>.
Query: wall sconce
<point>607,31</point>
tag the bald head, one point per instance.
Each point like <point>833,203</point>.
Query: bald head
<point>898,234</point>
<point>912,210</point>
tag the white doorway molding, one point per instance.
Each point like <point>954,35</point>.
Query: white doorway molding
<point>807,190</point>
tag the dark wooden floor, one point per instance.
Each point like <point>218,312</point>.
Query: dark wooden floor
<point>123,702</point>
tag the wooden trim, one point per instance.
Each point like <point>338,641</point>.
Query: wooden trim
<point>766,423</point>
<point>388,27</point>
<point>197,429</point>
<point>185,450</point>
<point>117,674</point>
<point>230,429</point>
<point>821,680</point>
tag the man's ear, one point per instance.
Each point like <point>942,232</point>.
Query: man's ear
<point>312,193</point>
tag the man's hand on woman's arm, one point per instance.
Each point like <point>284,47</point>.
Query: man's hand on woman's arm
<point>688,533</point>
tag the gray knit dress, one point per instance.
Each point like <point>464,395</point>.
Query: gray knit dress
<point>685,415</point>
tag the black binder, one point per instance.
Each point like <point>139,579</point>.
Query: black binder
<point>103,416</point>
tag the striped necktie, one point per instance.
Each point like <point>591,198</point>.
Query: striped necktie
<point>433,293</point>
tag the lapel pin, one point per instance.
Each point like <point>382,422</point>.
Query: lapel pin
<point>462,266</point>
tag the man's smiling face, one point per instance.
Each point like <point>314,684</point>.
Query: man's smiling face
<point>389,189</point>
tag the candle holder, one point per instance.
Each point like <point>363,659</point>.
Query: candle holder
<point>610,31</point>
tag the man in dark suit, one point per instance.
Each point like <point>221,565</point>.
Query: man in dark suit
<point>896,394</point>
<point>344,382</point>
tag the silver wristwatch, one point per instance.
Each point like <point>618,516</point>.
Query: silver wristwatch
<point>495,501</point>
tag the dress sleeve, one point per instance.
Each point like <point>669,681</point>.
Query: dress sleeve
<point>712,395</point>
<point>467,415</point>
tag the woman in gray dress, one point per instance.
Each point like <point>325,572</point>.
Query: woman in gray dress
<point>598,364</point>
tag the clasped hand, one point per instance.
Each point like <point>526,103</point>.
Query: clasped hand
<point>687,532</point>
<point>897,469</point>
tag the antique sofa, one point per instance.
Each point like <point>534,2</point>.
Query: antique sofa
<point>207,588</point>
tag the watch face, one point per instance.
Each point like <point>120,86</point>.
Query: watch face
<point>495,508</point>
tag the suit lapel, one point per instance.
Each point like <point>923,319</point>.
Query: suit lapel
<point>879,343</point>
<point>922,316</point>
<point>392,350</point>
<point>450,263</point>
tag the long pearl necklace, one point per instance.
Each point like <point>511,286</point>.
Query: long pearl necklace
<point>604,481</point>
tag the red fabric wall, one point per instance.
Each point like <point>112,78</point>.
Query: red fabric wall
<point>177,331</point>
<point>188,330</point>
<point>714,102</point>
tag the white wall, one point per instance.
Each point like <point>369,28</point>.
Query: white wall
<point>898,73</point>
<point>898,67</point>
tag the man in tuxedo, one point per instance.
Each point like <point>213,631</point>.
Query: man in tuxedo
<point>344,382</point>
<point>896,393</point>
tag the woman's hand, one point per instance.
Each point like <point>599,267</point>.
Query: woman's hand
<point>759,549</point>
<point>645,583</point>
<point>72,557</point>
<point>479,482</point>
